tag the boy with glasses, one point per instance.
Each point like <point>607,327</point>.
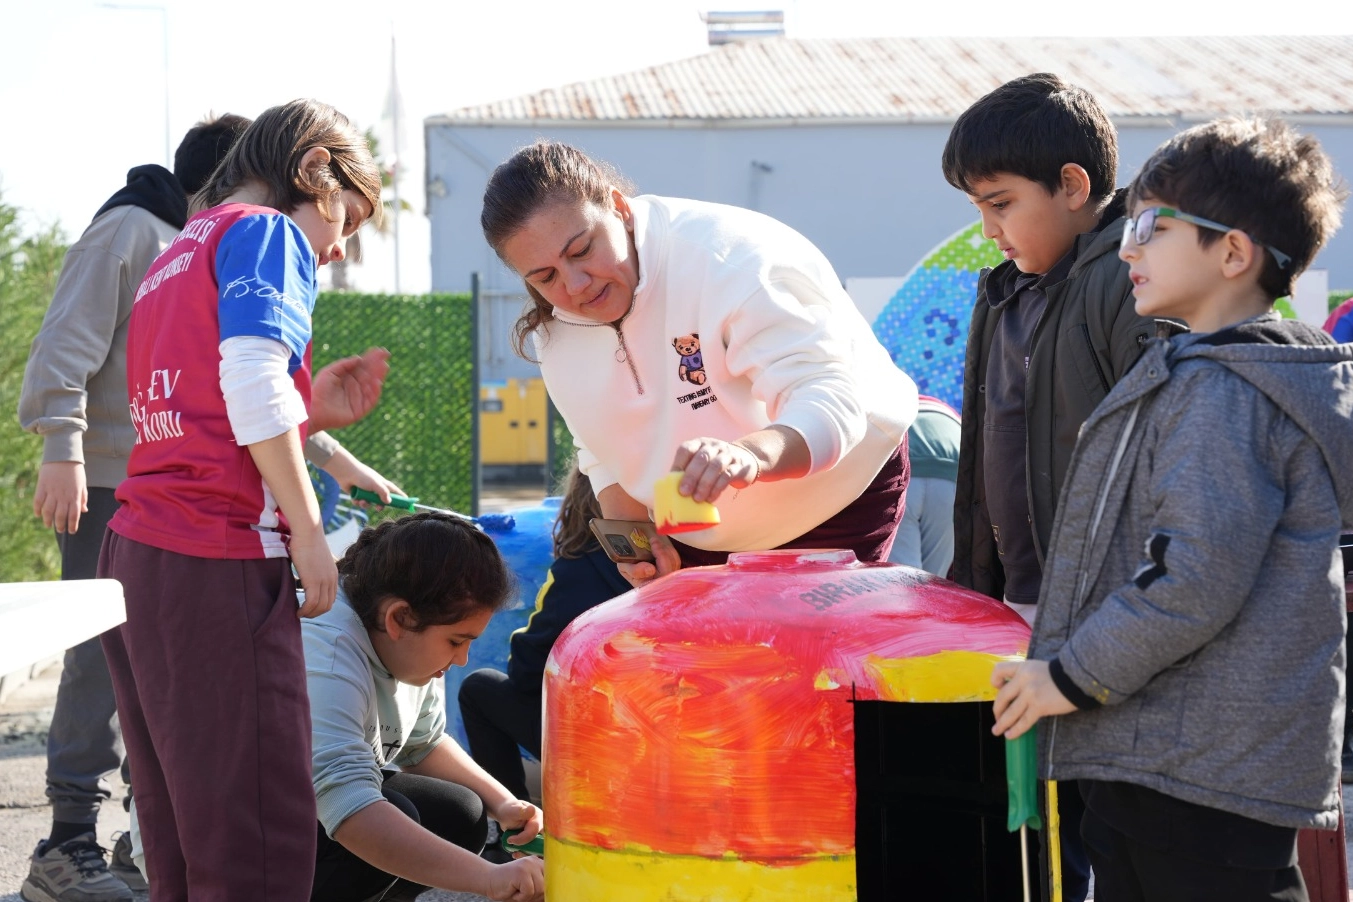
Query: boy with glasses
<point>1052,330</point>
<point>1191,619</point>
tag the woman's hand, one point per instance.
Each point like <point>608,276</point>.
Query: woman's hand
<point>711,465</point>
<point>665,560</point>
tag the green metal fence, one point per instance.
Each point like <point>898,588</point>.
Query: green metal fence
<point>424,433</point>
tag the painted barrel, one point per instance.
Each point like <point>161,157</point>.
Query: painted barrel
<point>699,735</point>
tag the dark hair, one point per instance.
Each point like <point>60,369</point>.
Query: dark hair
<point>1032,127</point>
<point>203,148</point>
<point>535,176</point>
<point>441,564</point>
<point>572,530</point>
<point>270,150</point>
<point>1256,175</point>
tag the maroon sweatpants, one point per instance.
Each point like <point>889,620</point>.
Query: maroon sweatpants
<point>210,684</point>
<point>867,526</point>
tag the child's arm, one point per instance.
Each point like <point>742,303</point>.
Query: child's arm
<point>351,472</point>
<point>448,761</point>
<point>1222,459</point>
<point>385,837</point>
<point>282,464</point>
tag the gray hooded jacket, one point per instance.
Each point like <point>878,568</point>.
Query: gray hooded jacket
<point>1194,586</point>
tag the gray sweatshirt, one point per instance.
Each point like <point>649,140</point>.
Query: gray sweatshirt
<point>362,718</point>
<point>75,383</point>
<point>1194,586</point>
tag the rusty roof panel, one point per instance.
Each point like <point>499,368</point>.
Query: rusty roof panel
<point>891,79</point>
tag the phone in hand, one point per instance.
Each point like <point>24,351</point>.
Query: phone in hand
<point>625,541</point>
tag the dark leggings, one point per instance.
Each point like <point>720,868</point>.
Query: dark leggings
<point>447,809</point>
<point>499,717</point>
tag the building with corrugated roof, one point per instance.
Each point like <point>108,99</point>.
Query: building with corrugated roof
<point>841,138</point>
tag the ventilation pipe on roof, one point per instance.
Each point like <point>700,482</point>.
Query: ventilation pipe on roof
<point>731,27</point>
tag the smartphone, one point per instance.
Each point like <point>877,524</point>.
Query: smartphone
<point>624,541</point>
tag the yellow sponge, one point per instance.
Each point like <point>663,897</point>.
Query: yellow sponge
<point>675,512</point>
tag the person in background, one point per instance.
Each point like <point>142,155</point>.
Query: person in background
<point>502,711</point>
<point>677,335</point>
<point>1340,322</point>
<point>401,806</point>
<point>925,537</point>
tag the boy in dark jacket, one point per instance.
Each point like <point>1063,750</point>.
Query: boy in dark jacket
<point>1191,620</point>
<point>1052,330</point>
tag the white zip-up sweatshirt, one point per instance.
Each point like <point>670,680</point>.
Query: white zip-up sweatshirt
<point>738,323</point>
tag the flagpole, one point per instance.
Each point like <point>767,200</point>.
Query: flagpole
<point>394,174</point>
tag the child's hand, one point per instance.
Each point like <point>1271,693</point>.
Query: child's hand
<point>522,880</point>
<point>314,563</point>
<point>516,814</point>
<point>61,496</point>
<point>1027,694</point>
<point>347,389</point>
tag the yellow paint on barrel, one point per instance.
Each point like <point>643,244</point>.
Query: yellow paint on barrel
<point>948,676</point>
<point>581,873</point>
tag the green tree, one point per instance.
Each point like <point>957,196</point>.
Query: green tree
<point>29,265</point>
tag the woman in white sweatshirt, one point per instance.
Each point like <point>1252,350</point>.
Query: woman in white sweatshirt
<point>681,335</point>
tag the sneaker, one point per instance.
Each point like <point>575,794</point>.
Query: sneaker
<point>123,866</point>
<point>72,872</point>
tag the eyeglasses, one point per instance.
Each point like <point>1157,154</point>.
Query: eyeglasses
<point>1139,231</point>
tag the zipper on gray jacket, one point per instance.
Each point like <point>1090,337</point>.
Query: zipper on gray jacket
<point>1104,497</point>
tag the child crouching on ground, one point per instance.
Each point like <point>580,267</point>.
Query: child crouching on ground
<point>1191,622</point>
<point>414,593</point>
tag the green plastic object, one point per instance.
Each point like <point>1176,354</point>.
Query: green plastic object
<point>398,501</point>
<point>535,846</point>
<point>1021,782</point>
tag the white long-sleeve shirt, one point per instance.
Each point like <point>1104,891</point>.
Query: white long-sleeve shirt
<point>780,342</point>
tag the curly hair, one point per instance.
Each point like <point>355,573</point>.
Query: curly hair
<point>443,565</point>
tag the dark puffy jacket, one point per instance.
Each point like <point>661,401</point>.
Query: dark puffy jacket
<point>1088,338</point>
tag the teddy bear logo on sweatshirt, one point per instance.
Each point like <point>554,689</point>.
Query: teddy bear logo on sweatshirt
<point>692,366</point>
